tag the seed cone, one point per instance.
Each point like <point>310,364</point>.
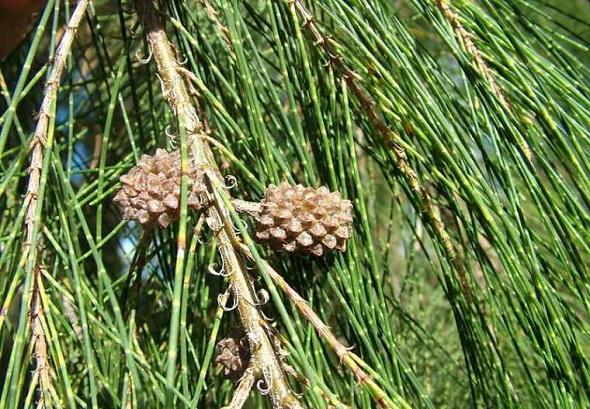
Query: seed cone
<point>234,353</point>
<point>304,220</point>
<point>151,190</point>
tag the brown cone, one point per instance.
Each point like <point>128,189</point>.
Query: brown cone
<point>234,353</point>
<point>304,220</point>
<point>150,193</point>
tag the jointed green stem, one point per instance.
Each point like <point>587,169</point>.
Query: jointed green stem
<point>370,109</point>
<point>348,358</point>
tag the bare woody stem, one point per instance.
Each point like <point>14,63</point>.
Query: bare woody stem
<point>249,208</point>
<point>392,140</point>
<point>483,68</point>
<point>243,390</point>
<point>40,146</point>
<point>42,368</point>
<point>346,356</point>
<point>264,359</point>
<point>465,37</point>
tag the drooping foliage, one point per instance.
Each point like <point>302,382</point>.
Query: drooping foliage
<point>458,130</point>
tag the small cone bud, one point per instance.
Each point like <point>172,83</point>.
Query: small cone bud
<point>234,354</point>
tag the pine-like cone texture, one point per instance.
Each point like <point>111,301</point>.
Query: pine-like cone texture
<point>150,192</point>
<point>304,220</point>
<point>234,353</point>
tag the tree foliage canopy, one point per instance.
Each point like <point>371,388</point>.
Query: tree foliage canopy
<point>458,129</point>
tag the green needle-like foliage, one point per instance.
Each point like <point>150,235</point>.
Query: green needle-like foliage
<point>458,129</point>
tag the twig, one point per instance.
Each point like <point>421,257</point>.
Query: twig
<point>304,380</point>
<point>40,144</point>
<point>391,140</point>
<point>484,70</point>
<point>263,355</point>
<point>348,358</point>
<point>242,392</point>
<point>36,320</point>
<point>249,208</point>
<point>214,16</point>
